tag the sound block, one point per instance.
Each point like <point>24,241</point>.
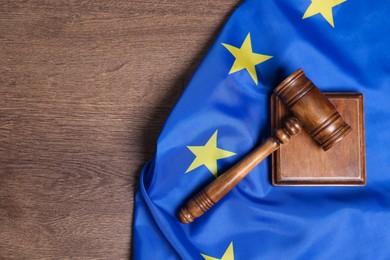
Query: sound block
<point>303,162</point>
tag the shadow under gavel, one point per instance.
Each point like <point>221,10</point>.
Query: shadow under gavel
<point>311,110</point>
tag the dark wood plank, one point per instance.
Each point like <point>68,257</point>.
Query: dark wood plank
<point>85,88</point>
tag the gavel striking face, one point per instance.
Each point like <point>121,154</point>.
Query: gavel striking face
<point>312,111</point>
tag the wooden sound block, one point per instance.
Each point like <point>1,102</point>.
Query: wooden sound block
<point>303,162</point>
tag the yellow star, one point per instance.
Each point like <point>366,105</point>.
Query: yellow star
<point>323,7</point>
<point>246,58</point>
<point>228,255</point>
<point>208,155</point>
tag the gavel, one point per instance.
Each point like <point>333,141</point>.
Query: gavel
<point>310,110</point>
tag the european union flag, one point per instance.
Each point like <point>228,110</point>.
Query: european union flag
<point>342,45</point>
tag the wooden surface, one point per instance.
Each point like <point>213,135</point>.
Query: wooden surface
<point>85,87</point>
<point>303,162</point>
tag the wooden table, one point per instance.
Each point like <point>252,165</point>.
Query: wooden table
<point>85,87</point>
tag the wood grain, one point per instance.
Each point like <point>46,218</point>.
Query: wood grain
<point>85,87</point>
<point>310,110</point>
<point>343,165</point>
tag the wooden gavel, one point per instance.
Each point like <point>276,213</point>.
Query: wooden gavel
<point>311,110</point>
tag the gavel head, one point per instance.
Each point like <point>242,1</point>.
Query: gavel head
<point>316,114</point>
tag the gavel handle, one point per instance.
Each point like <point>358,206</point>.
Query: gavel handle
<point>217,189</point>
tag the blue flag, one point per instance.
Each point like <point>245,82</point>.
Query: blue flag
<point>342,45</point>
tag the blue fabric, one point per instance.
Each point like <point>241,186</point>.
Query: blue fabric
<point>263,221</point>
